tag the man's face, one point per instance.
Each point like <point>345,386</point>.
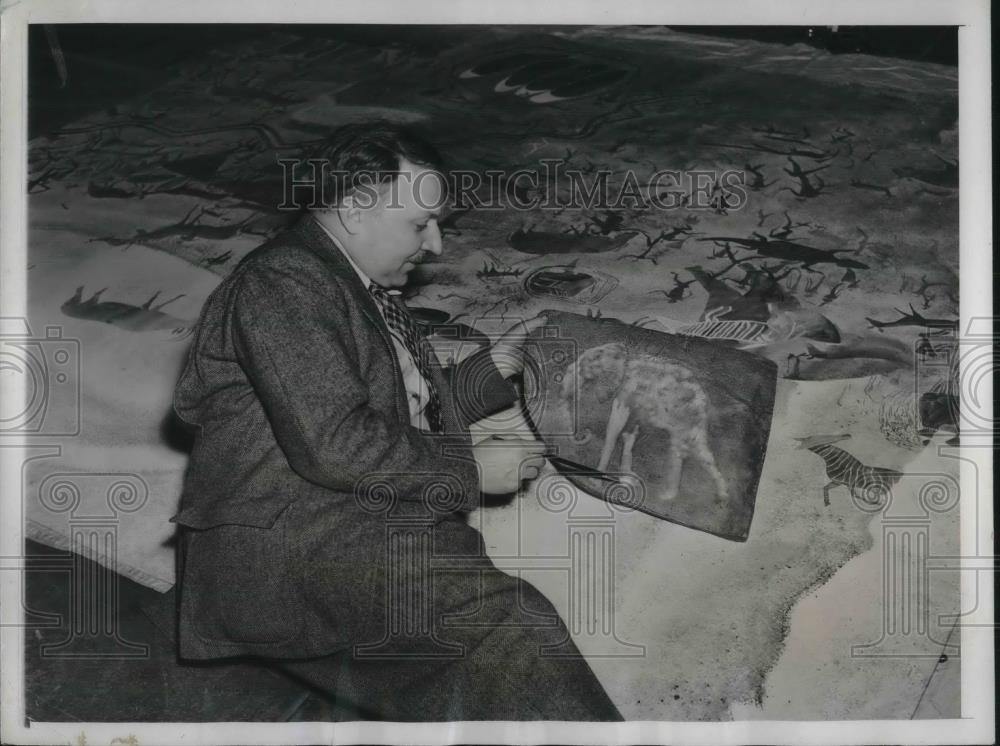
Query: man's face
<point>401,228</point>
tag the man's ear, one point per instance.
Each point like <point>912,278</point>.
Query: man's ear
<point>350,212</point>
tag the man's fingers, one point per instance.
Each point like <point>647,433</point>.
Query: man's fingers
<point>508,355</point>
<point>539,449</point>
<point>537,322</point>
<point>534,451</point>
<point>522,329</point>
<point>531,473</point>
<point>531,467</point>
<point>535,462</point>
<point>518,440</point>
<point>528,450</point>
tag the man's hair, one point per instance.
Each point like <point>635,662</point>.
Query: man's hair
<point>368,154</point>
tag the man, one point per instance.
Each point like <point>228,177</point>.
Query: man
<point>324,506</point>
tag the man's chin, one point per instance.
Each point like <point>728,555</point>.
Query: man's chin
<point>396,280</point>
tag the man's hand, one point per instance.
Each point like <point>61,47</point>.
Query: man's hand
<point>505,462</point>
<point>508,352</point>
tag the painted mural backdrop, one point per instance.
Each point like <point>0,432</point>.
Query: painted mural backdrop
<point>841,269</point>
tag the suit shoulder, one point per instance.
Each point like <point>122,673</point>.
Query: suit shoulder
<point>283,273</point>
<point>284,250</point>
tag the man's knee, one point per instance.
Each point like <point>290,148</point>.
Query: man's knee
<point>497,599</point>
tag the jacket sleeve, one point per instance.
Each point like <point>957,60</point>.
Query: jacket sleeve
<point>292,336</point>
<point>480,389</point>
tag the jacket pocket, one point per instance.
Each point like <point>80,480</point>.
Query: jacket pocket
<point>240,584</point>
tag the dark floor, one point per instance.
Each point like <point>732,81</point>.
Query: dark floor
<point>137,677</point>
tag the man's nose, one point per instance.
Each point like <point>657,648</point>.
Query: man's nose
<point>432,238</point>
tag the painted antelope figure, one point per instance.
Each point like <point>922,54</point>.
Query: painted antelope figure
<point>868,483</point>
<point>649,393</point>
<point>144,318</point>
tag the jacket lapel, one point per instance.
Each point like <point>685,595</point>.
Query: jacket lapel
<point>314,238</point>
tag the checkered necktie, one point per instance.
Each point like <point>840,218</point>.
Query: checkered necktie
<point>406,330</point>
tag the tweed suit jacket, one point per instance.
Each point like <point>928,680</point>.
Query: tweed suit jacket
<point>299,406</point>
